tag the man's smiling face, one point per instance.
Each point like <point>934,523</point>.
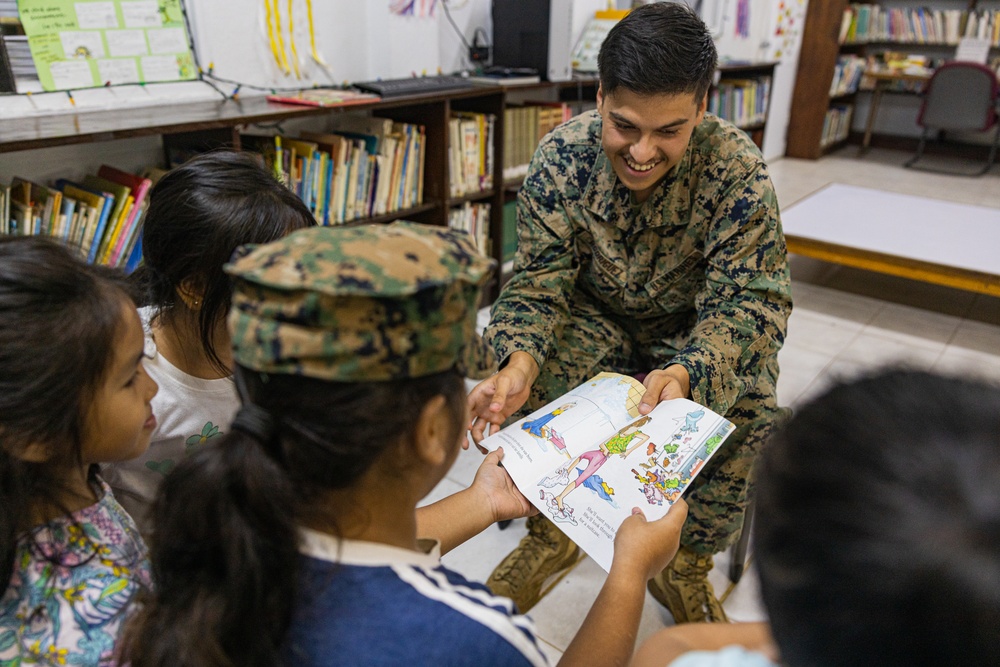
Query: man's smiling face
<point>645,136</point>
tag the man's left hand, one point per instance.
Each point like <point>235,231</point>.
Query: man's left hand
<point>663,384</point>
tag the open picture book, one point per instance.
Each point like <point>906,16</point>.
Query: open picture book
<point>588,457</point>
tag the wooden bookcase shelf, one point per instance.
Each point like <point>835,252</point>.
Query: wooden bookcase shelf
<point>818,56</point>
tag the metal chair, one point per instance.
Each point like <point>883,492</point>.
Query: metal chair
<point>959,96</point>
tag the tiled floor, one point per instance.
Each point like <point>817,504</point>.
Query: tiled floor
<point>844,321</point>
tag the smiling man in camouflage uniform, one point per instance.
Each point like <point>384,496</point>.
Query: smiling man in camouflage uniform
<point>648,242</point>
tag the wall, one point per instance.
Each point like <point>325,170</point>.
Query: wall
<point>774,34</point>
<point>363,40</point>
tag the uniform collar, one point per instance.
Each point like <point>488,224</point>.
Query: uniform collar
<point>610,200</point>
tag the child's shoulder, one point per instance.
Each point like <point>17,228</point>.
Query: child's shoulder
<point>412,608</point>
<point>95,542</point>
<point>75,577</point>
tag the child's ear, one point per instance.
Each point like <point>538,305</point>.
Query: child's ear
<point>433,439</point>
<point>191,294</point>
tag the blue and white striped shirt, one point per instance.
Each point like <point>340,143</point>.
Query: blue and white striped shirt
<point>362,603</point>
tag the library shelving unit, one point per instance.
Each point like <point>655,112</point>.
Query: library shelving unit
<point>202,126</point>
<point>738,74</point>
<point>822,47</point>
<point>817,62</point>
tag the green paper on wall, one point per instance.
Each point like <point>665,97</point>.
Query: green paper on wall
<point>91,43</point>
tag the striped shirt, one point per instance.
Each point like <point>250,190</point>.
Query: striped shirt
<point>362,603</point>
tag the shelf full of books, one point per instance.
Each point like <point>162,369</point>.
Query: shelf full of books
<point>743,102</point>
<point>470,152</point>
<point>847,75</point>
<point>101,214</point>
<point>363,167</point>
<point>524,127</point>
<point>864,23</point>
<point>473,218</point>
<point>836,125</point>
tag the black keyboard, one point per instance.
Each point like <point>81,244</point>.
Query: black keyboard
<point>416,85</point>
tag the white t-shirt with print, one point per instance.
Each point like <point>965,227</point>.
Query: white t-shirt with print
<point>189,412</point>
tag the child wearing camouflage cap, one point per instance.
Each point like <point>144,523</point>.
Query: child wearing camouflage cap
<point>296,538</point>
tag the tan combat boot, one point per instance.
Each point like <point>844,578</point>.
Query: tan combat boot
<point>683,588</point>
<point>544,551</point>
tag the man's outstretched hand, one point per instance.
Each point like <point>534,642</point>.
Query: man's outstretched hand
<point>664,384</point>
<point>496,398</point>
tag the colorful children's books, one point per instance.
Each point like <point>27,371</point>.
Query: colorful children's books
<point>122,195</point>
<point>588,457</point>
<point>138,187</point>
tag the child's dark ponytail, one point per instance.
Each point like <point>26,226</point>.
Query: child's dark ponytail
<point>224,555</point>
<point>225,522</point>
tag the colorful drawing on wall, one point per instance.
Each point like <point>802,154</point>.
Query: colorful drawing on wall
<point>418,8</point>
<point>743,19</point>
<point>790,18</point>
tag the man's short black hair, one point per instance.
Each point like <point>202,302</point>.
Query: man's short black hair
<point>661,48</point>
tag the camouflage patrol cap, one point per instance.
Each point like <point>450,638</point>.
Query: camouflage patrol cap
<point>359,304</point>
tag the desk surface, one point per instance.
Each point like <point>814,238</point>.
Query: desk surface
<point>898,75</point>
<point>935,241</point>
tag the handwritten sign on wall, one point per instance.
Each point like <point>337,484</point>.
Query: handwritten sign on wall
<point>90,43</point>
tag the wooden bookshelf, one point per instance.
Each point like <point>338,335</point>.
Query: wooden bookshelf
<point>758,71</point>
<point>818,57</point>
<point>817,60</point>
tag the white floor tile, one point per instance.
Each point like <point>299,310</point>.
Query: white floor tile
<point>799,368</point>
<point>872,350</point>
<point>848,307</point>
<point>818,331</point>
<point>967,363</point>
<point>913,326</point>
<point>553,654</point>
<point>560,613</point>
<point>476,558</point>
<point>978,337</point>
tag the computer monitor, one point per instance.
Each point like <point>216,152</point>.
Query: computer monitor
<point>534,34</point>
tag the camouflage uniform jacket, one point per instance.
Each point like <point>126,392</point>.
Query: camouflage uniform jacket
<point>700,265</point>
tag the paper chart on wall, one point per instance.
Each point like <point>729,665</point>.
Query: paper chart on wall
<point>91,43</point>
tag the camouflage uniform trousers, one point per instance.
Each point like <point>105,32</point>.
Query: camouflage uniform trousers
<point>717,499</point>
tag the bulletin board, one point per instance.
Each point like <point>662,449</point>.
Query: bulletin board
<point>91,43</point>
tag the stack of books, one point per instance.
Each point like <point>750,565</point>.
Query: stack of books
<point>847,75</point>
<point>363,168</point>
<point>470,152</point>
<point>101,215</point>
<point>16,63</point>
<point>918,25</point>
<point>474,219</point>
<point>837,124</point>
<point>743,102</point>
<point>524,127</point>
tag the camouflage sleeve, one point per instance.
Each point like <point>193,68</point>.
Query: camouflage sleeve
<point>533,306</point>
<point>744,306</point>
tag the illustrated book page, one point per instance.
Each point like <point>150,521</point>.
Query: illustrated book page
<point>587,458</point>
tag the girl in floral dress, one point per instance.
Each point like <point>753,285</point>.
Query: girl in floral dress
<point>73,393</point>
